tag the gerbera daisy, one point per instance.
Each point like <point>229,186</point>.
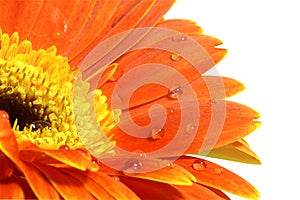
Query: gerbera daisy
<point>77,80</point>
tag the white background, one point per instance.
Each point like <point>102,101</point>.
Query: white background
<point>263,40</point>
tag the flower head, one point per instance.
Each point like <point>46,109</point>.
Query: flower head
<point>76,83</point>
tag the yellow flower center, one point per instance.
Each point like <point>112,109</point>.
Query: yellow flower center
<point>36,89</point>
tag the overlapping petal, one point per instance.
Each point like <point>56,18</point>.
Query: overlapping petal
<point>215,176</point>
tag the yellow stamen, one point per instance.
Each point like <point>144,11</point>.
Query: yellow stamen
<point>41,84</point>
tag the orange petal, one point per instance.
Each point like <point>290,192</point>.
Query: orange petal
<point>93,29</point>
<point>48,23</point>
<point>146,189</point>
<point>150,91</point>
<point>113,187</point>
<point>229,122</point>
<point>6,167</point>
<point>236,151</point>
<point>140,14</point>
<point>216,87</point>
<point>11,190</point>
<point>7,17</point>
<point>198,191</point>
<point>89,184</point>
<point>212,175</point>
<point>148,168</point>
<point>73,158</point>
<point>67,186</point>
<point>181,25</point>
<point>15,188</point>
<point>170,175</point>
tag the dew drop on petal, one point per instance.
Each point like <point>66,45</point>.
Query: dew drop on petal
<point>171,111</point>
<point>95,161</point>
<point>56,34</point>
<point>64,147</point>
<point>191,128</point>
<point>65,28</point>
<point>4,114</point>
<point>179,38</point>
<point>84,152</point>
<point>116,178</point>
<point>157,134</point>
<point>117,75</point>
<point>176,93</point>
<point>138,154</point>
<point>199,165</point>
<point>175,57</point>
<point>212,101</point>
<point>170,164</point>
<point>218,171</point>
<point>133,166</point>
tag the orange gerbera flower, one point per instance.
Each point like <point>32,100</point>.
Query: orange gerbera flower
<point>58,142</point>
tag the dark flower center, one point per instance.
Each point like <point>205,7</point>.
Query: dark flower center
<point>20,111</point>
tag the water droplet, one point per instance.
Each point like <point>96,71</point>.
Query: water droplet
<point>56,34</point>
<point>171,111</point>
<point>170,164</point>
<point>176,93</point>
<point>212,101</point>
<point>157,134</point>
<point>4,114</point>
<point>64,147</point>
<point>65,28</point>
<point>95,160</point>
<point>117,75</point>
<point>191,128</point>
<point>199,165</point>
<point>132,166</point>
<point>218,171</point>
<point>84,152</point>
<point>175,57</point>
<point>179,38</point>
<point>60,31</point>
<point>138,154</point>
<point>116,178</point>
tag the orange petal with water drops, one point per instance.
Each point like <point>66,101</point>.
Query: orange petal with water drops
<point>97,23</point>
<point>9,147</point>
<point>219,123</point>
<point>67,186</point>
<point>171,175</point>
<point>115,188</point>
<point>45,23</point>
<point>141,14</point>
<point>152,77</point>
<point>108,74</point>
<point>78,159</point>
<point>141,166</point>
<point>154,57</point>
<point>213,175</point>
<point>236,151</point>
